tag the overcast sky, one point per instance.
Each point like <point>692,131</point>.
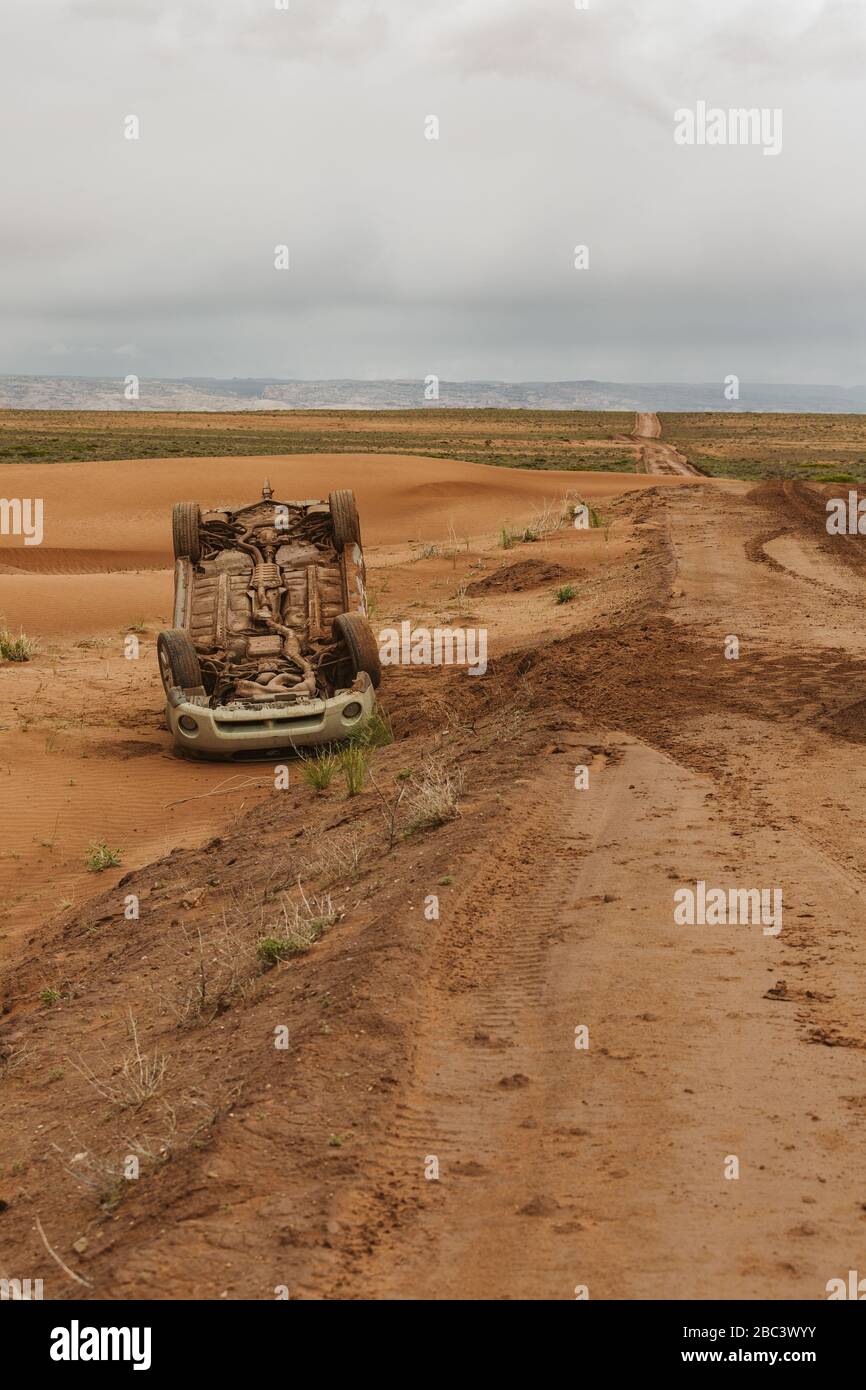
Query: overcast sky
<point>409,256</point>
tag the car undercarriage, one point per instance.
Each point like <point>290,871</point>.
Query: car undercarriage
<point>270,608</point>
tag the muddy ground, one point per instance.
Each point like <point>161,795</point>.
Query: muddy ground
<point>430,1128</point>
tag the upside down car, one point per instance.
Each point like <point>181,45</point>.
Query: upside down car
<point>270,647</point>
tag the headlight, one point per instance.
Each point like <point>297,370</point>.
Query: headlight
<point>352,711</point>
<point>188,724</point>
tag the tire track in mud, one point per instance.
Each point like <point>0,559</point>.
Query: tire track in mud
<point>481,1035</point>
<point>604,1168</point>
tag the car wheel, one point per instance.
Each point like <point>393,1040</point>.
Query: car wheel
<point>185,521</point>
<point>344,515</point>
<point>178,661</point>
<point>353,630</point>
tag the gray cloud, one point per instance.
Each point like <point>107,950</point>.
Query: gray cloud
<point>260,127</point>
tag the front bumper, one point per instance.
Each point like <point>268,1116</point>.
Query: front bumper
<point>261,732</point>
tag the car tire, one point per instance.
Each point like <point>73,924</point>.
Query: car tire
<point>353,630</point>
<point>345,519</point>
<point>178,661</point>
<point>185,521</point>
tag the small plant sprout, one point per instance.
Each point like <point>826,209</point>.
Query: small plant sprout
<point>391,805</point>
<point>99,857</point>
<point>271,950</point>
<point>566,593</point>
<point>303,923</point>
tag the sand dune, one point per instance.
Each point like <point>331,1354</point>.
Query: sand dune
<point>108,524</point>
<point>126,506</point>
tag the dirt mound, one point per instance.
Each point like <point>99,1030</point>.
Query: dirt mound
<point>517,578</point>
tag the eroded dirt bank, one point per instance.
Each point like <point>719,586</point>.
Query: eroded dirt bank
<point>415,1037</point>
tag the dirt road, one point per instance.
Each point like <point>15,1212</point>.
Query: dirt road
<point>605,1168</point>
<point>511,1074</point>
<point>656,457</point>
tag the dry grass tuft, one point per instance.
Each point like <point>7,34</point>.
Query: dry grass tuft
<point>433,795</point>
<point>12,648</point>
<point>303,922</point>
<point>137,1079</point>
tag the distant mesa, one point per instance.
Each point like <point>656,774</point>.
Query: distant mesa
<point>270,393</point>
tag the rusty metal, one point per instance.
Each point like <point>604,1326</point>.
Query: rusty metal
<point>262,626</point>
